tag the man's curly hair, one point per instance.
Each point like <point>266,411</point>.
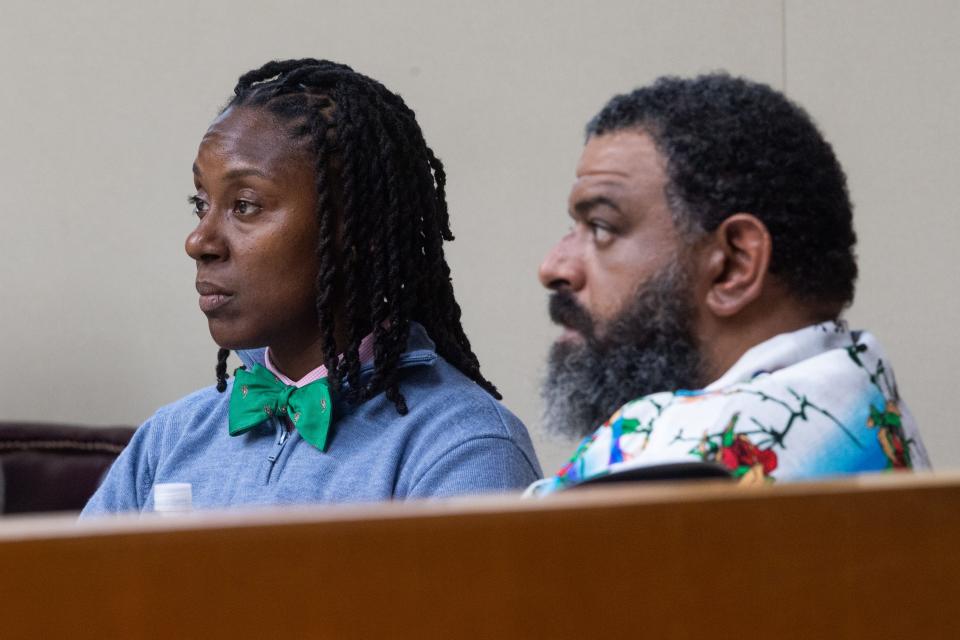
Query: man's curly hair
<point>732,145</point>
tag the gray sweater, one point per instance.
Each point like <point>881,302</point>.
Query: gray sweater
<point>456,439</point>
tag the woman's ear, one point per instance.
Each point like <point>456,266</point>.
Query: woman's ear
<point>736,261</point>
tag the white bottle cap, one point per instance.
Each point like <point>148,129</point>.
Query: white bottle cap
<point>172,497</point>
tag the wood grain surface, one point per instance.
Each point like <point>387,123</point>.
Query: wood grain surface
<point>875,557</point>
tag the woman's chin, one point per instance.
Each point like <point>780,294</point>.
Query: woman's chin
<point>232,340</point>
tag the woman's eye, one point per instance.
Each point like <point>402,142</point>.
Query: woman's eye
<point>199,205</point>
<point>245,208</point>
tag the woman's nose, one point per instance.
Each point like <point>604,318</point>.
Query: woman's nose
<point>206,243</point>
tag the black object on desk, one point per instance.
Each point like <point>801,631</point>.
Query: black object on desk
<point>672,471</point>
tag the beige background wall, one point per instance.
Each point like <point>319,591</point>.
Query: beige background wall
<point>102,105</point>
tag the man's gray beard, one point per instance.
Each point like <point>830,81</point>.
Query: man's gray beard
<point>648,348</point>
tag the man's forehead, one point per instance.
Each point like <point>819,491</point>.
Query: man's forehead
<point>625,153</point>
<point>625,161</point>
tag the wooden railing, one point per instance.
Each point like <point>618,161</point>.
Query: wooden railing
<point>877,557</point>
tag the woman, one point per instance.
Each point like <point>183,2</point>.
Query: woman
<point>321,220</point>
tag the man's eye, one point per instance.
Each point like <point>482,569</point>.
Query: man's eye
<point>245,208</point>
<point>199,205</point>
<point>602,233</point>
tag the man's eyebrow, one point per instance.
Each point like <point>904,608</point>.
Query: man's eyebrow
<point>582,207</point>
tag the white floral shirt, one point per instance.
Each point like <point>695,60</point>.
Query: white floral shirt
<point>816,402</point>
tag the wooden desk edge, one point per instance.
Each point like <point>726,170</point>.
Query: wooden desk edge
<point>34,527</point>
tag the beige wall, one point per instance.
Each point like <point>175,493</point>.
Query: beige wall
<point>103,105</point>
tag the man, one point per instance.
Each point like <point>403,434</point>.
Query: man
<point>710,257</point>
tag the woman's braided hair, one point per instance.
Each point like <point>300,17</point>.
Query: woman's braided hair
<point>382,216</point>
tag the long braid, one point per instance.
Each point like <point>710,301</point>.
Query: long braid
<point>358,318</point>
<point>419,204</point>
<point>328,260</point>
<point>382,217</point>
<point>450,332</point>
<point>440,178</point>
<point>222,374</point>
<point>441,303</point>
<point>389,343</point>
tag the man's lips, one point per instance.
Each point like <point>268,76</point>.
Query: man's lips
<point>566,311</point>
<point>570,334</point>
<point>212,296</point>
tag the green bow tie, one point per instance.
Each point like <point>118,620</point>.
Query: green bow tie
<point>257,395</point>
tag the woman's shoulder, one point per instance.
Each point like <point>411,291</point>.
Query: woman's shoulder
<point>201,400</point>
<point>443,391</point>
<point>461,438</point>
<point>203,406</point>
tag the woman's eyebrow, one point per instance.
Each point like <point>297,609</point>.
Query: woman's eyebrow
<point>233,174</point>
<point>243,172</point>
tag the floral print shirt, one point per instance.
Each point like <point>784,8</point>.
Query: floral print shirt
<point>816,402</point>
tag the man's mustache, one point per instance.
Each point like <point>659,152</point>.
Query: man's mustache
<point>565,310</point>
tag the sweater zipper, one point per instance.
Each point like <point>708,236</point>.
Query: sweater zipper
<point>408,361</point>
<point>277,449</point>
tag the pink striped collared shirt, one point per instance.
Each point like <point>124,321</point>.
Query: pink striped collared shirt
<point>365,353</point>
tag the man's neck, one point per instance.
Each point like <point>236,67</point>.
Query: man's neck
<point>725,340</point>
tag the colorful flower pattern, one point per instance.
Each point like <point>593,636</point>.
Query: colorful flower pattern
<point>767,418</point>
<point>735,451</point>
<point>889,425</point>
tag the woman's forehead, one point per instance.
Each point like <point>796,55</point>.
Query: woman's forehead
<point>251,137</point>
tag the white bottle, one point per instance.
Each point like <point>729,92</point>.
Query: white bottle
<point>171,498</point>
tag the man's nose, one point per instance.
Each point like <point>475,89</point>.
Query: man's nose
<point>562,267</point>
<point>206,242</point>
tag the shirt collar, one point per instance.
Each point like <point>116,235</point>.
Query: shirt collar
<point>420,351</point>
<point>784,350</point>
<point>365,352</point>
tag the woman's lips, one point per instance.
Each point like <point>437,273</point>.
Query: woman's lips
<point>212,301</point>
<point>212,296</point>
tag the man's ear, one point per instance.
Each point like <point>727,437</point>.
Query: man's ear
<point>736,260</point>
